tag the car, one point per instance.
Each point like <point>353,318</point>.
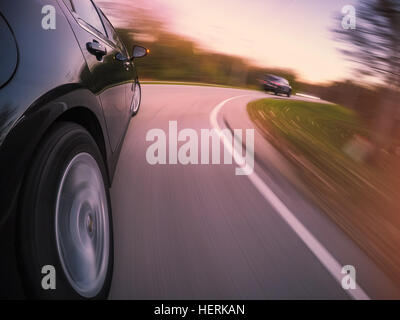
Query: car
<point>68,89</point>
<point>276,84</point>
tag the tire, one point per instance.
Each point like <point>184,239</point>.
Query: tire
<point>289,94</point>
<point>67,173</point>
<point>136,99</point>
<point>276,93</point>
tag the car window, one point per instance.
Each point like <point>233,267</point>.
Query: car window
<point>87,12</point>
<point>112,34</point>
<point>272,78</point>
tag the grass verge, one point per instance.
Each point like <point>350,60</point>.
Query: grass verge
<point>326,145</point>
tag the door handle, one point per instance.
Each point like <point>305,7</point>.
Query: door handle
<point>96,49</point>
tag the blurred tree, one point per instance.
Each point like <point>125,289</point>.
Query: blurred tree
<point>375,42</point>
<point>374,47</point>
<point>174,57</point>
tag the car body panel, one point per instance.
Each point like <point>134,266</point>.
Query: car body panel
<point>8,52</point>
<point>54,79</point>
<point>110,78</point>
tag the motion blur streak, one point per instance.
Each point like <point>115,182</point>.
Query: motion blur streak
<point>312,243</point>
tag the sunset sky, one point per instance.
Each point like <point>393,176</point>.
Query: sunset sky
<point>292,34</point>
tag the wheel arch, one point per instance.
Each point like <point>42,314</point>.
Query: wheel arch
<point>87,119</point>
<point>18,148</point>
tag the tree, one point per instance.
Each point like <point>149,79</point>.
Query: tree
<point>375,42</point>
<point>374,47</point>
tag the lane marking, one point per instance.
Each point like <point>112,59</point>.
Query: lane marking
<point>322,254</point>
<point>307,96</point>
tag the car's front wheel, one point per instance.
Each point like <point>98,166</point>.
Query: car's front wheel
<point>65,225</point>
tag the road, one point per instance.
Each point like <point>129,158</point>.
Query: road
<point>202,232</point>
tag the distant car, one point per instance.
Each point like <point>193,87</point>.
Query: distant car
<point>276,84</point>
<point>67,95</point>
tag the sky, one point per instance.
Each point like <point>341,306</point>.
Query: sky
<point>292,34</point>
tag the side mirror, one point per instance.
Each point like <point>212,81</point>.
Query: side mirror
<point>139,52</point>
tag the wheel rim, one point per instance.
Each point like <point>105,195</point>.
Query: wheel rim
<point>136,98</point>
<point>82,225</point>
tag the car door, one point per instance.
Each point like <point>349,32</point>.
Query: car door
<point>109,70</point>
<point>129,65</point>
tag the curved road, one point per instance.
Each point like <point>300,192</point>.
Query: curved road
<point>201,232</point>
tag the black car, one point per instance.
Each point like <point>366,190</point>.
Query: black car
<point>276,84</point>
<point>68,89</point>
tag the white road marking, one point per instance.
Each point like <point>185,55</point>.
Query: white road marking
<point>307,96</point>
<point>309,240</point>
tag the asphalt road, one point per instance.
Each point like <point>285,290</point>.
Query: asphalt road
<point>201,232</point>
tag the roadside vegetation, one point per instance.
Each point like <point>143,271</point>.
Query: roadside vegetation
<point>177,58</point>
<point>328,145</point>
